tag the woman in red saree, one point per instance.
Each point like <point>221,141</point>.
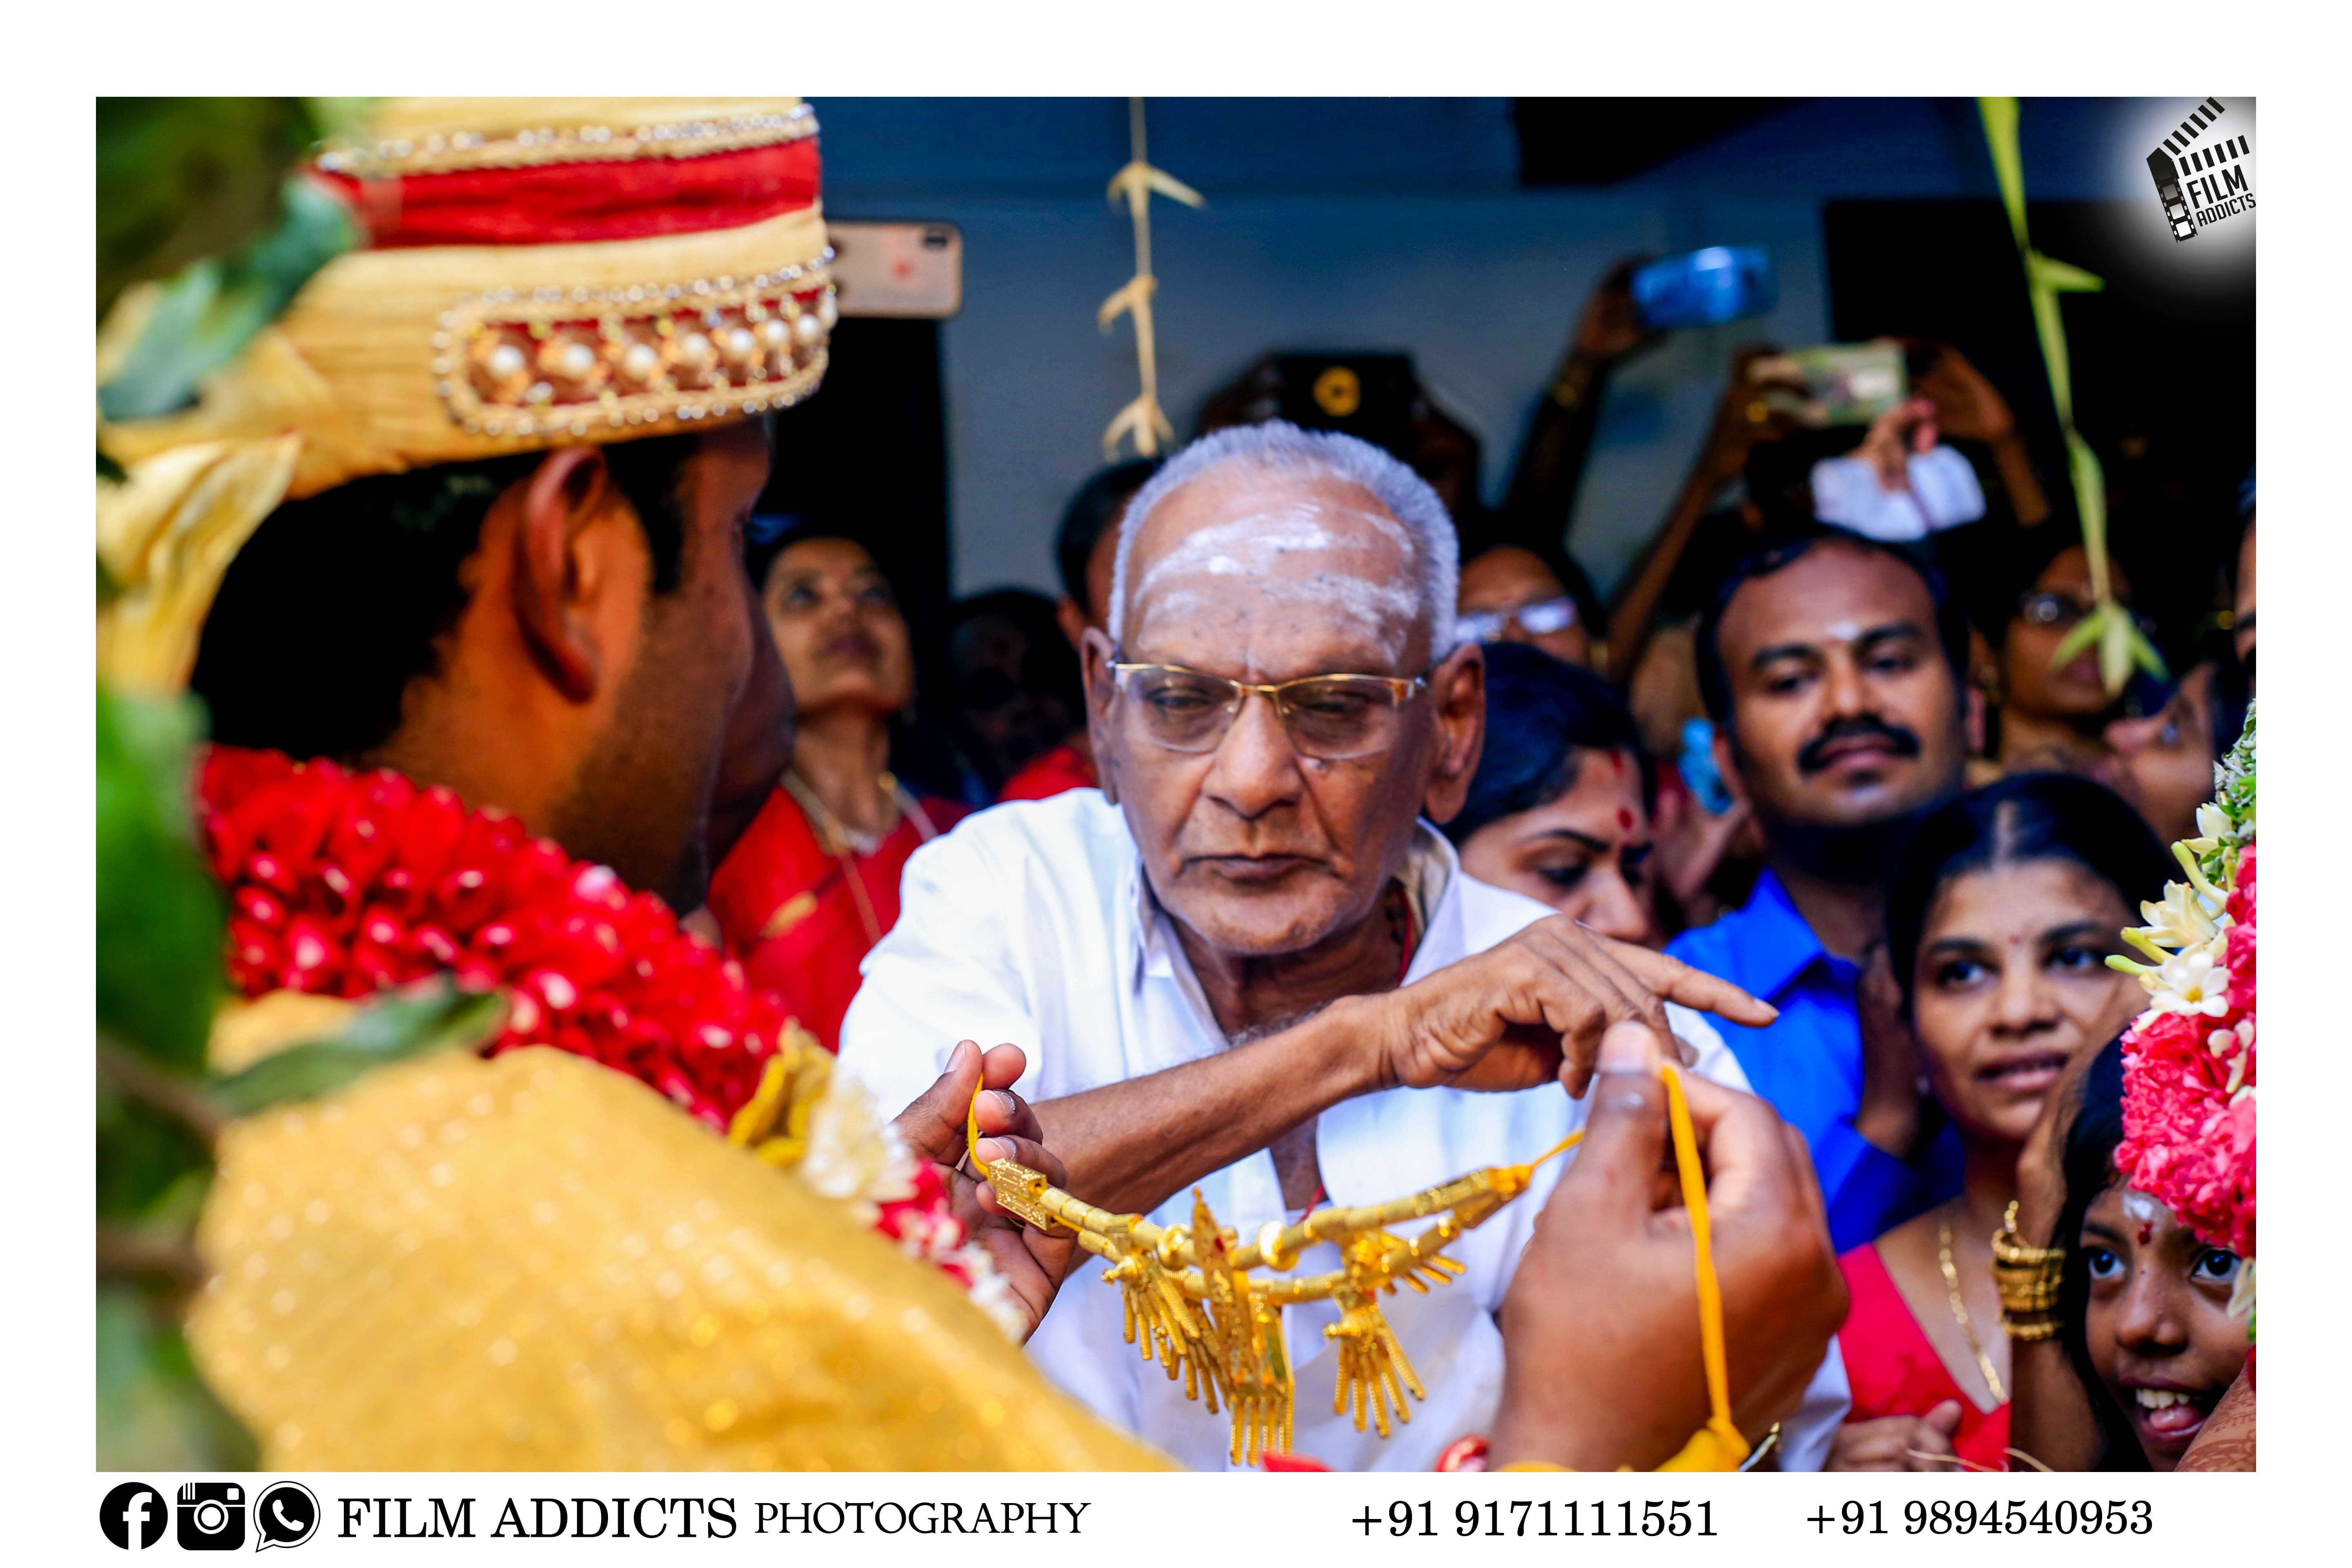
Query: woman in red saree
<point>2000,918</point>
<point>814,883</point>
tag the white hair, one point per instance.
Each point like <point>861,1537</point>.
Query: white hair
<point>1284,448</point>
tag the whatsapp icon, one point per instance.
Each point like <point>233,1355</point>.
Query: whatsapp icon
<point>284,1514</point>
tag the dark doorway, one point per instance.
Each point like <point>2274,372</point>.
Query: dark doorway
<point>868,454</point>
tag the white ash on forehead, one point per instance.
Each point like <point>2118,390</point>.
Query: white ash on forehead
<point>1415,521</point>
<point>1196,575</point>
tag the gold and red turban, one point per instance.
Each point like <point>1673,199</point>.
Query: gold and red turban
<point>535,272</point>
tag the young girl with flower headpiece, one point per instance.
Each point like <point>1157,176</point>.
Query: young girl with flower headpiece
<point>2131,1259</point>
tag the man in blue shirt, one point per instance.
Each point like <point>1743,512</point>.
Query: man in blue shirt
<point>1833,669</point>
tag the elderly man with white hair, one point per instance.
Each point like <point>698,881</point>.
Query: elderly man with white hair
<point>1247,964</point>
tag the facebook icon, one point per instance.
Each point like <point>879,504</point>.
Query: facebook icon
<point>133,1516</point>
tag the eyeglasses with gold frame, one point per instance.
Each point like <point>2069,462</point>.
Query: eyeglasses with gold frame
<point>1330,718</point>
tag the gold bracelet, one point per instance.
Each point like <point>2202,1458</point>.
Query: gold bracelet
<point>2024,1299</point>
<point>2028,1277</point>
<point>2042,1326</point>
<point>2008,1248</point>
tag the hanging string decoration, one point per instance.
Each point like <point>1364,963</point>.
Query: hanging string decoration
<point>1141,420</point>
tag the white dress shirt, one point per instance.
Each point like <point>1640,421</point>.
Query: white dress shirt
<point>1033,922</point>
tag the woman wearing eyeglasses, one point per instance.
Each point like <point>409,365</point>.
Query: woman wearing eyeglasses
<point>1510,593</point>
<point>2051,714</point>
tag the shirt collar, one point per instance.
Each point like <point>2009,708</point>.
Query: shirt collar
<point>1769,943</point>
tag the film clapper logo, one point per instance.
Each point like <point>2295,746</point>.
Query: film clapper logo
<point>2201,180</point>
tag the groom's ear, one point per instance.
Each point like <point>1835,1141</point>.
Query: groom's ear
<point>561,572</point>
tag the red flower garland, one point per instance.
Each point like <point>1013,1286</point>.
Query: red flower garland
<point>344,884</point>
<point>2189,1128</point>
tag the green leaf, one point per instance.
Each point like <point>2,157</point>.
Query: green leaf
<point>2085,632</point>
<point>180,178</point>
<point>435,1015</point>
<point>154,1414</point>
<point>2115,634</point>
<point>160,918</point>
<point>2008,166</point>
<point>2121,645</point>
<point>211,310</point>
<point>2063,277</point>
<point>144,1160</point>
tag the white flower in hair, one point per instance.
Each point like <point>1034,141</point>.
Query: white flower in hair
<point>2181,921</point>
<point>2192,983</point>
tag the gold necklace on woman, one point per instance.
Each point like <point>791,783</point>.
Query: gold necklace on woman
<point>845,844</point>
<point>848,845</point>
<point>1960,1308</point>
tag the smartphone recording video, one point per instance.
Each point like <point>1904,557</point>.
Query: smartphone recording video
<point>1704,288</point>
<point>1834,383</point>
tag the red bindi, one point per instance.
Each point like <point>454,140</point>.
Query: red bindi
<point>1617,761</point>
<point>2144,1232</point>
<point>1624,820</point>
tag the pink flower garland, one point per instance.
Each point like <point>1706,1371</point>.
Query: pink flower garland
<point>2189,1114</point>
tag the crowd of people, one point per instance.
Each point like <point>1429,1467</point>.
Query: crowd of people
<point>1850,775</point>
<point>1332,837</point>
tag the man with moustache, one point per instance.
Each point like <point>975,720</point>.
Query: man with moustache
<point>1833,669</point>
<point>1246,964</point>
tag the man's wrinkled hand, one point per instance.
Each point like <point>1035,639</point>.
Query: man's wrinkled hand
<point>1032,1261</point>
<point>1534,1007</point>
<point>1600,1327</point>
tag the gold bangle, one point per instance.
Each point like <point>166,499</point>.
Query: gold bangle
<point>2029,1329</point>
<point>2028,1293</point>
<point>2007,1246</point>
<point>2028,1277</point>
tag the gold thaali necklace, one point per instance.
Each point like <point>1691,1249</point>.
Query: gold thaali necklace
<point>1191,1301</point>
<point>1960,1308</point>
